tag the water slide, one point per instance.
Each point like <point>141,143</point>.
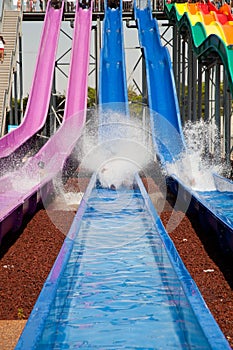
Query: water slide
<point>210,29</point>
<point>39,97</point>
<point>112,58</point>
<point>114,283</point>
<point>22,190</point>
<point>162,97</point>
<point>166,129</point>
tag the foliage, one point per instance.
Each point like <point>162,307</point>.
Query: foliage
<point>91,99</point>
<point>21,315</point>
<point>133,96</point>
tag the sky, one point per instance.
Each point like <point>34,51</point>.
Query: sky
<point>31,34</point>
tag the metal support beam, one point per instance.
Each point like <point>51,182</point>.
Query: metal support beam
<point>207,94</point>
<point>11,110</point>
<point>227,118</point>
<point>178,83</point>
<point>183,97</point>
<point>217,97</point>
<point>199,83</point>
<point>144,83</point>
<point>15,98</point>
<point>194,88</point>
<point>190,80</point>
<point>20,79</point>
<point>97,56</point>
<point>175,54</point>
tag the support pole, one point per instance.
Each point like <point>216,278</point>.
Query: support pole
<point>20,79</point>
<point>199,99</point>
<point>207,93</point>
<point>183,97</point>
<point>227,116</point>
<point>190,80</point>
<point>16,98</point>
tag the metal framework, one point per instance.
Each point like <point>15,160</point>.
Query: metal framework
<point>203,91</point>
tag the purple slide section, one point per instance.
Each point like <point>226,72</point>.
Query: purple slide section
<point>21,190</point>
<point>39,97</point>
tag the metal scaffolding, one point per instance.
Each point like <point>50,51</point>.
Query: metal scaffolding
<point>202,90</point>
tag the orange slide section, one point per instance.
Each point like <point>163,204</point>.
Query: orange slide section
<point>215,20</point>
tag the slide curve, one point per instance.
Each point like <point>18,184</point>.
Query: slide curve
<point>211,29</point>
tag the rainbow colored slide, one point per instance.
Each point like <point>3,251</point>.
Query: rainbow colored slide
<point>211,29</point>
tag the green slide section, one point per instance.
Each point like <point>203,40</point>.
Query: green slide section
<point>211,30</point>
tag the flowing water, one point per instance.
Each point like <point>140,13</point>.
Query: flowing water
<point>118,289</point>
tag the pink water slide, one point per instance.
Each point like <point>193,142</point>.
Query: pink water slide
<point>39,97</point>
<point>21,190</point>
<point>76,97</point>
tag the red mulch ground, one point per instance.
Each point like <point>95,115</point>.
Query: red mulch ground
<point>27,257</point>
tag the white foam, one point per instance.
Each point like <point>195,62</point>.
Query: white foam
<point>194,167</point>
<point>123,148</point>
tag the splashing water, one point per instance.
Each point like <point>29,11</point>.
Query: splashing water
<point>194,167</point>
<point>118,172</point>
<point>111,145</point>
<point>123,148</point>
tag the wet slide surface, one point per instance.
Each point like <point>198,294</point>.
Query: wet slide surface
<point>17,187</point>
<point>113,285</point>
<point>112,59</point>
<point>166,125</point>
<point>39,97</point>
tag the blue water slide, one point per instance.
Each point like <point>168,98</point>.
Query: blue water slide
<point>168,135</point>
<point>114,284</point>
<point>113,85</point>
<point>162,98</point>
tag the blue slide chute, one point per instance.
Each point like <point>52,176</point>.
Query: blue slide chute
<point>162,98</point>
<point>113,85</point>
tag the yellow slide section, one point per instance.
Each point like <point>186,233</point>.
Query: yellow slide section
<point>214,22</point>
